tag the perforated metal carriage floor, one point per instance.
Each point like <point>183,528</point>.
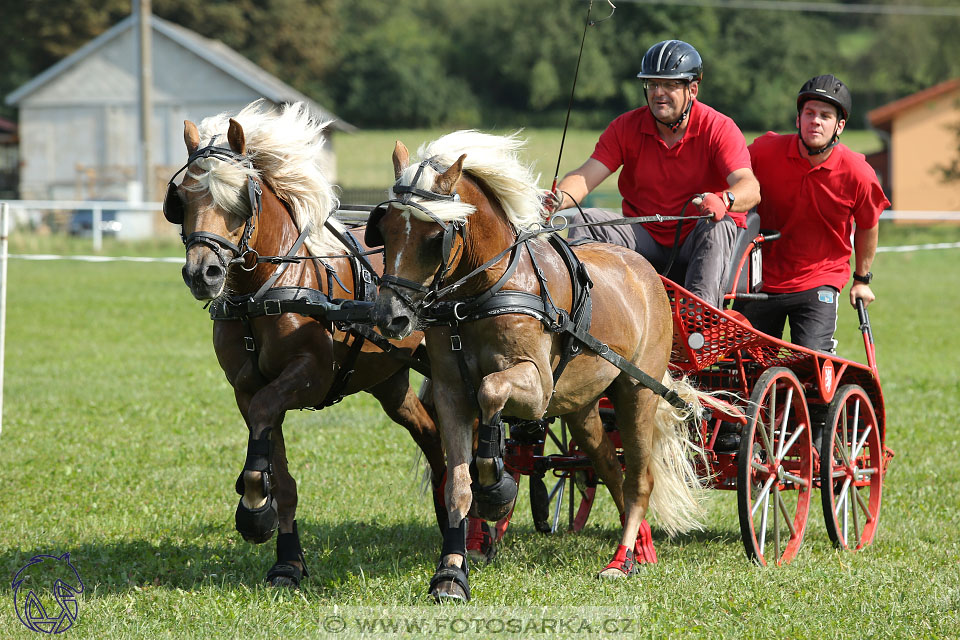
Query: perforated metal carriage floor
<point>702,335</point>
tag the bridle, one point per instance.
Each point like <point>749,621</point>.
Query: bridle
<point>173,209</point>
<point>373,238</point>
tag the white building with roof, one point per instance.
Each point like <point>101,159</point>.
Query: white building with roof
<point>78,120</point>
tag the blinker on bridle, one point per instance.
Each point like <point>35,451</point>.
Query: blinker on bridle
<point>173,207</point>
<point>374,238</point>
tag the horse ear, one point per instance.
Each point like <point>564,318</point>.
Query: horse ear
<point>447,182</point>
<point>401,159</point>
<point>191,137</point>
<point>236,138</point>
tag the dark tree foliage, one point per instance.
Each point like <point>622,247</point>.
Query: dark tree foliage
<point>383,63</point>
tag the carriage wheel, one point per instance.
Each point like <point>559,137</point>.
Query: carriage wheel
<point>775,469</point>
<point>547,506</point>
<point>851,460</point>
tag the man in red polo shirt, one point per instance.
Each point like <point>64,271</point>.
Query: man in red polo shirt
<point>816,192</point>
<point>671,150</point>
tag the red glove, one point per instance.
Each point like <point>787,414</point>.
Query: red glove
<point>550,201</point>
<point>712,203</point>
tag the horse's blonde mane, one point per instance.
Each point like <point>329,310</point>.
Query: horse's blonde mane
<point>492,160</point>
<point>285,146</point>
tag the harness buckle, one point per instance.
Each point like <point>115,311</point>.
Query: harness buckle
<point>455,343</point>
<point>271,307</point>
<point>366,277</point>
<point>249,344</point>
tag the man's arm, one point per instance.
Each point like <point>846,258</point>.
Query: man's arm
<point>865,248</point>
<point>581,181</point>
<point>745,188</point>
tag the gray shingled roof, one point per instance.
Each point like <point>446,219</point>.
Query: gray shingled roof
<point>213,51</point>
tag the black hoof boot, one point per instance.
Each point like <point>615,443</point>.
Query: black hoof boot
<point>452,584</point>
<point>495,501</point>
<point>284,573</point>
<point>257,525</point>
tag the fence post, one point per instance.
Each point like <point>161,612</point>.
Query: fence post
<point>4,231</point>
<point>97,228</point>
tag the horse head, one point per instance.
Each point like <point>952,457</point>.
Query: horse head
<point>422,231</point>
<point>218,205</point>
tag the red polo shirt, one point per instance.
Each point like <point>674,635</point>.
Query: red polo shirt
<point>814,208</point>
<point>656,179</point>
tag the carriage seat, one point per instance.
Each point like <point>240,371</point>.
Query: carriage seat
<point>745,271</point>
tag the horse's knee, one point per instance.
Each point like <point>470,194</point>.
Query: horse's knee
<point>521,384</point>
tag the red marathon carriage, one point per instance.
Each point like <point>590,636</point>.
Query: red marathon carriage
<point>798,420</point>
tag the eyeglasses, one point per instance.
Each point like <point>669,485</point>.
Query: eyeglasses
<point>666,85</point>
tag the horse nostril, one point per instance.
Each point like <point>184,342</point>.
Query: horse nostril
<point>213,273</point>
<point>399,325</point>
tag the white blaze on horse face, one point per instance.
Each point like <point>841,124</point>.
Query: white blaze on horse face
<point>398,258</point>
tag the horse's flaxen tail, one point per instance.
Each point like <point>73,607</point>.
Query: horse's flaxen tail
<point>678,490</point>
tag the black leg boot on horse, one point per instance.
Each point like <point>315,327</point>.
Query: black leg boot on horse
<point>450,583</point>
<point>494,490</point>
<point>285,573</point>
<point>258,519</point>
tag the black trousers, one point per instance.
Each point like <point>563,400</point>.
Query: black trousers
<point>812,315</point>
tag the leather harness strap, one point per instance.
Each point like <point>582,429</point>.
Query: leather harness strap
<point>575,324</point>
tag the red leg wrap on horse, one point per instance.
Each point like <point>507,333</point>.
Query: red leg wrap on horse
<point>643,549</point>
<point>622,560</point>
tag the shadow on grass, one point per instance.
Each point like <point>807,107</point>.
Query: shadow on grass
<point>334,554</point>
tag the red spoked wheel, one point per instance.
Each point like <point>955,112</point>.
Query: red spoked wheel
<point>775,469</point>
<point>575,481</point>
<point>851,463</point>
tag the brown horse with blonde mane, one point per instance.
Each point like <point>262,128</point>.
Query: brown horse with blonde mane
<point>254,188</point>
<point>465,263</point>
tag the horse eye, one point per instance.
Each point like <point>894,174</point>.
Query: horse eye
<point>435,239</point>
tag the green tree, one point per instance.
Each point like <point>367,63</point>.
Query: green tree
<point>393,69</point>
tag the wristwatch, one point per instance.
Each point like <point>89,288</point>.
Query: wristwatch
<point>730,199</point>
<point>864,279</point>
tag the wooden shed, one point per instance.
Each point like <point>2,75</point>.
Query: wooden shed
<point>78,120</point>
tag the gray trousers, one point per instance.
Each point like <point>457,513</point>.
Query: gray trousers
<point>703,258</point>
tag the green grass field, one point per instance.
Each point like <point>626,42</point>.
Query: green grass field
<point>121,443</point>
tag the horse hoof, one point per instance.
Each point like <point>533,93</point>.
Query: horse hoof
<point>496,501</point>
<point>450,584</point>
<point>283,582</point>
<point>612,574</point>
<point>449,593</point>
<point>257,525</point>
<point>285,576</point>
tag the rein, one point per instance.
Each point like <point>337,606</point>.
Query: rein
<point>494,301</point>
<point>573,88</point>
